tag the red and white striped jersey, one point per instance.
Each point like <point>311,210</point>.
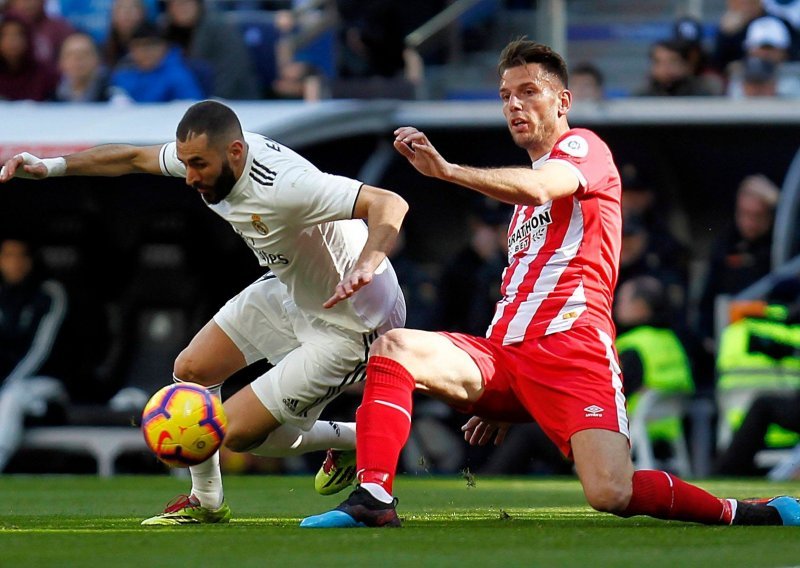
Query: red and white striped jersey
<point>564,255</point>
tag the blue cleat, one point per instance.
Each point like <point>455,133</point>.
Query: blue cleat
<point>335,519</point>
<point>359,510</point>
<point>788,508</point>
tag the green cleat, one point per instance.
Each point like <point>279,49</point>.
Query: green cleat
<point>338,472</point>
<point>186,510</point>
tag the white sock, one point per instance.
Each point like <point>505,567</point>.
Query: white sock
<point>207,482</point>
<point>377,491</point>
<point>734,506</point>
<point>207,476</point>
<point>288,440</point>
<point>216,389</point>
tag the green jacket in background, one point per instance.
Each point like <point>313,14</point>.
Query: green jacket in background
<point>665,368</point>
<point>763,354</point>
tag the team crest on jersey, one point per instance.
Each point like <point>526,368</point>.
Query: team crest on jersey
<point>575,146</point>
<point>259,225</point>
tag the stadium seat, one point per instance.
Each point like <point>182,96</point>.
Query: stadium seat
<point>104,444</point>
<point>655,405</point>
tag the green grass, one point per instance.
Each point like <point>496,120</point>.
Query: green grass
<point>87,521</point>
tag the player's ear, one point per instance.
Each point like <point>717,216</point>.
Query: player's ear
<point>236,150</point>
<point>564,102</point>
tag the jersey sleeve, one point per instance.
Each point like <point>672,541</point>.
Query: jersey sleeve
<point>169,163</point>
<point>310,196</point>
<point>585,154</point>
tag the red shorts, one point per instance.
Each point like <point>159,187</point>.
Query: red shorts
<point>567,381</point>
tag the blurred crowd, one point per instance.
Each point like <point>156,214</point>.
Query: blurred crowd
<point>672,337</point>
<point>150,51</point>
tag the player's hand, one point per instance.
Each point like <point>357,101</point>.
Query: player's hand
<point>350,284</point>
<point>479,432</point>
<point>28,166</point>
<point>417,149</point>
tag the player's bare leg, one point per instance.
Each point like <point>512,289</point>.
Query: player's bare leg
<point>604,467</point>
<point>400,362</point>
<point>209,359</point>
<point>610,484</point>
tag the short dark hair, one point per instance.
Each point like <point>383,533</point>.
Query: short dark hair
<point>212,118</point>
<point>523,51</point>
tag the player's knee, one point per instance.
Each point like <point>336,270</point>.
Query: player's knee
<point>237,440</point>
<point>608,497</point>
<point>393,344</point>
<point>188,369</point>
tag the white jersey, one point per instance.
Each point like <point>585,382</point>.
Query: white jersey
<point>298,222</point>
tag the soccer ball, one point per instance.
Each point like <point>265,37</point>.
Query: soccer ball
<point>183,424</point>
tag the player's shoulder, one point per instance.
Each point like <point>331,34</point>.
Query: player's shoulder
<point>579,143</point>
<point>268,151</point>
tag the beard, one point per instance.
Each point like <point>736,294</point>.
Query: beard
<point>222,186</point>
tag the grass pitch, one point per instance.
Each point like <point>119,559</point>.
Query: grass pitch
<point>87,521</point>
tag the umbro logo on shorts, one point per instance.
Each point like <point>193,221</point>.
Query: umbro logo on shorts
<point>593,410</point>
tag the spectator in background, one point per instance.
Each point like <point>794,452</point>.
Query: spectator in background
<point>652,356</point>
<point>734,28</point>
<point>649,247</point>
<point>92,16</point>
<point>373,33</point>
<point>470,282</point>
<point>298,80</point>
<point>690,31</point>
<point>672,73</point>
<point>31,312</point>
<point>126,16</point>
<point>48,32</point>
<point>762,351</point>
<point>586,83</point>
<point>157,72</point>
<point>768,39</point>
<point>205,37</point>
<point>742,254</point>
<point>754,77</point>
<point>83,77</point>
<point>22,77</point>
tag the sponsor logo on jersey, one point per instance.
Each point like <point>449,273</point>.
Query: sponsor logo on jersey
<point>259,225</point>
<point>575,146</point>
<point>531,230</point>
<point>594,410</point>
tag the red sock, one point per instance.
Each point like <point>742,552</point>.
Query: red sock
<point>664,496</point>
<point>383,421</point>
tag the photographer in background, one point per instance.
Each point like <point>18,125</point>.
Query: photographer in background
<point>31,312</point>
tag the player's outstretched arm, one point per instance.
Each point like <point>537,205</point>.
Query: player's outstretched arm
<point>105,160</point>
<point>384,211</point>
<point>518,186</point>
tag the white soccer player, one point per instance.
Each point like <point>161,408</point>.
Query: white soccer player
<point>330,290</point>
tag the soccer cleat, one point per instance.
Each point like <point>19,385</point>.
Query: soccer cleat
<point>359,510</point>
<point>781,510</point>
<point>338,471</point>
<point>186,510</point>
<point>788,508</point>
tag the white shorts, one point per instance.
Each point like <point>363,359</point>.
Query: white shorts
<point>313,359</point>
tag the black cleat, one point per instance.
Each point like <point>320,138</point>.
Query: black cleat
<point>359,510</point>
